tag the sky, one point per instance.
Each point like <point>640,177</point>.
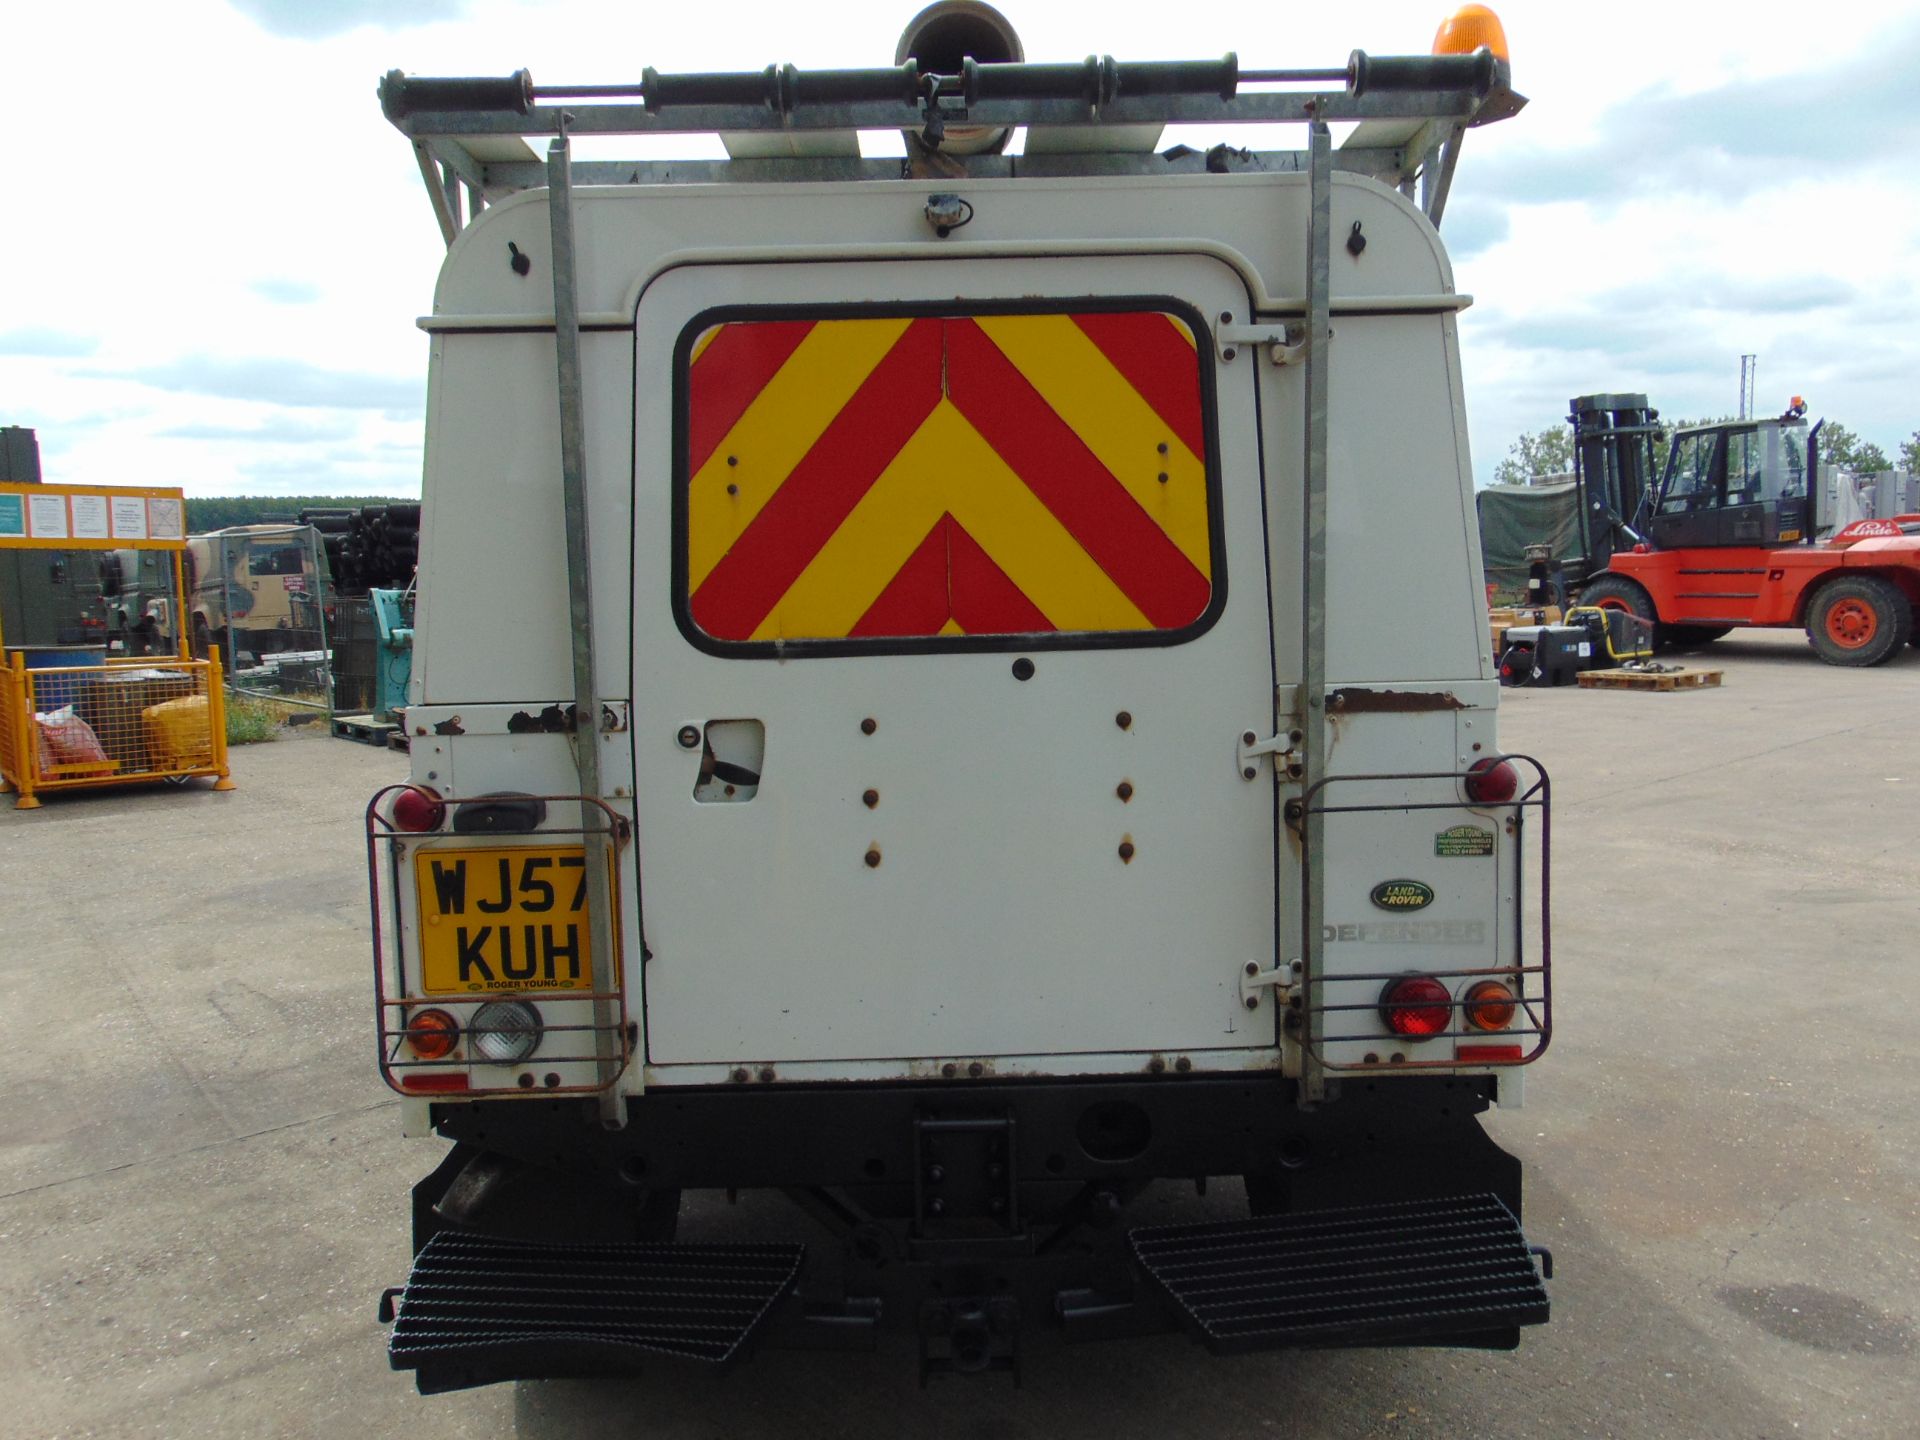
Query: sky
<point>214,248</point>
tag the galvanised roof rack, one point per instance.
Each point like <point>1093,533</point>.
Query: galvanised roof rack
<point>1099,116</point>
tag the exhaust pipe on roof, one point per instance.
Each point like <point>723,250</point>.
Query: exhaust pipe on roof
<point>940,39</point>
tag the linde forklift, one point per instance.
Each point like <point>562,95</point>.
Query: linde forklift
<point>1727,535</point>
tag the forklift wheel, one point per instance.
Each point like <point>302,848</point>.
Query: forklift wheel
<point>1858,620</point>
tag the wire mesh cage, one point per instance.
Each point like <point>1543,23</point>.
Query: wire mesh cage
<point>128,719</point>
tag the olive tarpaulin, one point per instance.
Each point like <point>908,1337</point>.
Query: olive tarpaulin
<point>1512,517</point>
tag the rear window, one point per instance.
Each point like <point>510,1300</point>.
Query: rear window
<point>913,480</point>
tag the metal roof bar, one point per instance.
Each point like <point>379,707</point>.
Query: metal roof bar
<point>467,126</point>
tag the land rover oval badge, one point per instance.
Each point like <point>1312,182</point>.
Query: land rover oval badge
<point>1402,895</point>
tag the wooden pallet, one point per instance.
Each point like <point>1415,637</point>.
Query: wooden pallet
<point>1643,680</point>
<point>364,728</point>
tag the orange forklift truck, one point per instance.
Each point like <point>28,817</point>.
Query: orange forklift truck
<point>1728,536</point>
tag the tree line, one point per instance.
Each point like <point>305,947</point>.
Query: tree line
<point>1550,452</point>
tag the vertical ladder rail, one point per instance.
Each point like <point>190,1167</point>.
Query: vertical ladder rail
<point>586,728</point>
<point>1313,572</point>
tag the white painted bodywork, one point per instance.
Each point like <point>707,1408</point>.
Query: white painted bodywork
<point>1001,928</point>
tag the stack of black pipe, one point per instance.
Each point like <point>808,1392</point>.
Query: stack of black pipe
<point>372,548</point>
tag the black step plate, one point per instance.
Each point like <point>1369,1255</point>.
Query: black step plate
<point>478,1309</point>
<point>1409,1273</point>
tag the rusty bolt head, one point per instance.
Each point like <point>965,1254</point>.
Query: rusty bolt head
<point>1124,790</point>
<point>1253,967</point>
<point>1124,719</point>
<point>1157,1065</point>
<point>870,799</point>
<point>976,1069</point>
<point>1183,1064</point>
<point>1126,850</point>
<point>552,1080</point>
<point>1162,477</point>
<point>733,489</point>
<point>949,1070</point>
<point>733,460</point>
<point>873,858</point>
<point>766,1073</point>
<point>1253,1002</point>
<point>1370,1058</point>
<point>1247,738</point>
<point>740,1076</point>
<point>689,736</point>
<point>869,725</point>
<point>1161,447</point>
<point>526,1082</point>
<point>1248,772</point>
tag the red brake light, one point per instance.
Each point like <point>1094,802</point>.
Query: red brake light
<point>1492,781</point>
<point>418,808</point>
<point>1416,1006</point>
<point>432,1034</point>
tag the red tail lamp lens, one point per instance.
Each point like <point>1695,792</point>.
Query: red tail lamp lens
<point>418,808</point>
<point>1416,1006</point>
<point>1489,1006</point>
<point>1492,781</point>
<point>432,1034</point>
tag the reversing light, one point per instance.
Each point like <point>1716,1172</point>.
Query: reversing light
<point>432,1034</point>
<point>505,1031</point>
<point>1492,781</point>
<point>1489,1006</point>
<point>1416,1006</point>
<point>417,808</point>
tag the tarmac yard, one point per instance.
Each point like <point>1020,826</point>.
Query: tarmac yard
<point>203,1190</point>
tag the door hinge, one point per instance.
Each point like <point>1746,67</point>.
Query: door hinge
<point>1283,980</point>
<point>1253,748</point>
<point>1285,344</point>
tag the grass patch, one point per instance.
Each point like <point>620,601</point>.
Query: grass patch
<point>250,721</point>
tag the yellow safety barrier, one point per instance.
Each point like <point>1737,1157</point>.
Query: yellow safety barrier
<point>131,720</point>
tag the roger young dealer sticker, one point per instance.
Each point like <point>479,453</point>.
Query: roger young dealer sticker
<point>1463,840</point>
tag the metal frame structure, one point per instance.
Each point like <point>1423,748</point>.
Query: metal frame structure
<point>468,136</point>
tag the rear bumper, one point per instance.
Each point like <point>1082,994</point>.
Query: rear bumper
<point>984,1221</point>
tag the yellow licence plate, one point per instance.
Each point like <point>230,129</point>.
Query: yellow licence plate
<point>504,918</point>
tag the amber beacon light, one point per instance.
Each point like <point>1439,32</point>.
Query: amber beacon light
<point>1467,29</point>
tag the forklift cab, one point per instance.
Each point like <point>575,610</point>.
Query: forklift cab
<point>1741,483</point>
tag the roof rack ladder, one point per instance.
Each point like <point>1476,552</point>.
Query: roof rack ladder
<point>586,725</point>
<point>1313,569</point>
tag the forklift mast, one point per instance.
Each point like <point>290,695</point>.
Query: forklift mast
<point>1615,473</point>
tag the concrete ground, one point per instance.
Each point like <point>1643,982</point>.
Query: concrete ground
<point>202,1190</point>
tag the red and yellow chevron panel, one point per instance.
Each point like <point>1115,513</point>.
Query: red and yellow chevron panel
<point>914,476</point>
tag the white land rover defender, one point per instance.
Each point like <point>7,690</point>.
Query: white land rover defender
<point>954,690</point>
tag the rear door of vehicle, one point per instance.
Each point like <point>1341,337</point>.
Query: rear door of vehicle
<point>948,617</point>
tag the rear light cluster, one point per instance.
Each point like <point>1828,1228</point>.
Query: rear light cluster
<point>1420,1007</point>
<point>503,1032</point>
<point>1492,781</point>
<point>418,809</point>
